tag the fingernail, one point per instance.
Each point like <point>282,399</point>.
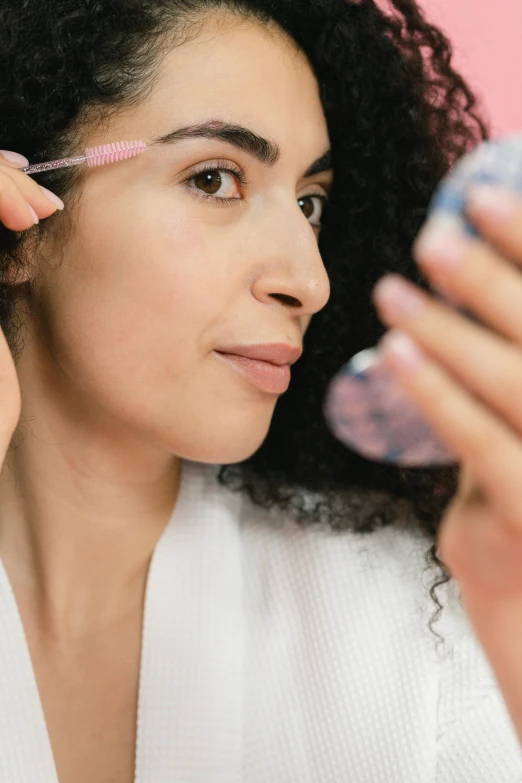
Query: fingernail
<point>15,157</point>
<point>402,350</point>
<point>53,197</point>
<point>33,213</point>
<point>397,297</point>
<point>494,202</point>
<point>441,248</point>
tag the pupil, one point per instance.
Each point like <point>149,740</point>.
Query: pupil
<point>209,181</point>
<point>307,206</point>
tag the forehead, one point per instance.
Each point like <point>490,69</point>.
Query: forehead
<point>244,70</point>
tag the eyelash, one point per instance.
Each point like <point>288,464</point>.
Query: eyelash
<point>219,166</point>
<point>223,165</point>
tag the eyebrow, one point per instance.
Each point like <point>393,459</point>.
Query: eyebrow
<point>261,149</point>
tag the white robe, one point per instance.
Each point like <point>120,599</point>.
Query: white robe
<point>273,654</point>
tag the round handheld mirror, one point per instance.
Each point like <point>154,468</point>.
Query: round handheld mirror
<point>365,408</point>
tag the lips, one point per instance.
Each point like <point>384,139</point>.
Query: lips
<point>275,353</point>
<point>265,366</point>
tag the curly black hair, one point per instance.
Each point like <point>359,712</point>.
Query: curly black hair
<point>398,115</point>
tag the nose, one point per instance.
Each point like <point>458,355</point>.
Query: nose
<point>289,267</point>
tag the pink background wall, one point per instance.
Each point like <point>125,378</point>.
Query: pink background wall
<point>487,41</point>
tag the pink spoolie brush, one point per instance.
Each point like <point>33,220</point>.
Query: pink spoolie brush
<point>94,156</point>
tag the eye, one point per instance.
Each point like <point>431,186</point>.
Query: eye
<point>217,182</point>
<point>313,207</point>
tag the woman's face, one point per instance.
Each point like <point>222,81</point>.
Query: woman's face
<point>166,265</point>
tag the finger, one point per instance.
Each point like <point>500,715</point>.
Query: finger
<point>42,200</point>
<point>497,214</point>
<point>488,366</point>
<point>22,203</point>
<point>15,212</point>
<point>472,273</point>
<point>13,159</point>
<point>483,441</point>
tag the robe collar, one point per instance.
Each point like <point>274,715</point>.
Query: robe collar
<point>191,689</point>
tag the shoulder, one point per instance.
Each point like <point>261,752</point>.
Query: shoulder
<point>364,602</point>
<point>364,595</point>
<point>351,613</point>
<point>386,566</point>
<point>386,573</point>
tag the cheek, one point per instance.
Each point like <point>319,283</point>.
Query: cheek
<point>131,317</point>
<point>147,274</point>
<point>138,291</point>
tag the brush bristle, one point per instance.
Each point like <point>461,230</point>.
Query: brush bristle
<point>110,153</point>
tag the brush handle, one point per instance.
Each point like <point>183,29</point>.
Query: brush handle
<point>63,163</point>
<point>93,156</point>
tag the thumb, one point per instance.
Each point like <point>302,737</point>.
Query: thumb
<point>13,159</point>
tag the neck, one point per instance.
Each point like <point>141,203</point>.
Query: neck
<point>76,537</point>
<point>84,498</point>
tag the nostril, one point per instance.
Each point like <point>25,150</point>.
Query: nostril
<point>290,300</point>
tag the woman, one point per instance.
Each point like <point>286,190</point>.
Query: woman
<point>197,582</point>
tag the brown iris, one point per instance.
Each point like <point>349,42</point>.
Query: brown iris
<point>307,205</point>
<point>208,181</point>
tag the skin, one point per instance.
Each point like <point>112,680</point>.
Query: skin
<point>119,380</point>
<point>112,408</point>
<point>467,379</point>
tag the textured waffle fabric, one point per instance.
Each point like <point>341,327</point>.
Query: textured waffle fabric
<point>273,654</point>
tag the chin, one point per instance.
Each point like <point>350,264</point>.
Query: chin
<point>218,435</point>
<point>220,454</point>
<point>225,445</point>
